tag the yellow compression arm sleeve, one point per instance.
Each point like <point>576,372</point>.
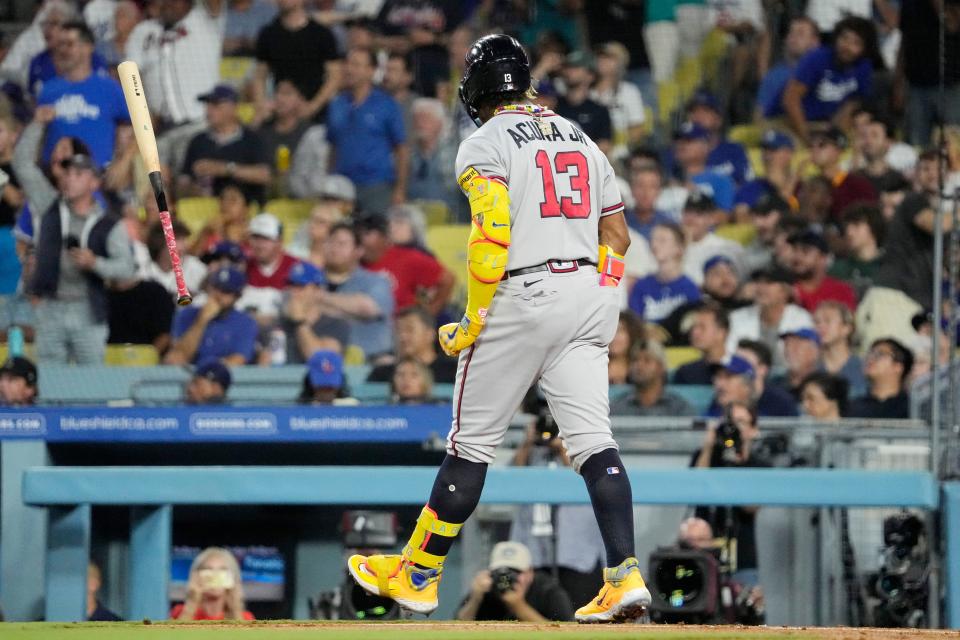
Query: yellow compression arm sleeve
<point>487,247</point>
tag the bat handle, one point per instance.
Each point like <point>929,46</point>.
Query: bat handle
<point>183,296</point>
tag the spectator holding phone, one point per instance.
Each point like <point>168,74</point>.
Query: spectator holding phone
<point>214,589</point>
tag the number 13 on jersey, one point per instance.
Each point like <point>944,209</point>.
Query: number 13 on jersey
<point>574,164</point>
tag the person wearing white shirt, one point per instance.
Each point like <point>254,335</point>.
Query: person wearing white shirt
<point>698,218</point>
<point>622,98</point>
<point>98,14</point>
<point>827,13</point>
<point>179,58</point>
<point>771,316</point>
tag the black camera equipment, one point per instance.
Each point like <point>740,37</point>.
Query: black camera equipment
<point>901,584</point>
<point>546,427</point>
<point>685,585</point>
<point>504,579</point>
<point>369,531</point>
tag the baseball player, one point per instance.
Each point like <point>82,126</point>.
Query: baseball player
<point>545,256</point>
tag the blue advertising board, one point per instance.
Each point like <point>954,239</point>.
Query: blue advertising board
<point>381,423</point>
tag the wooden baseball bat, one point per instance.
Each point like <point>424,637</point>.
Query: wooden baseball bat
<point>147,142</point>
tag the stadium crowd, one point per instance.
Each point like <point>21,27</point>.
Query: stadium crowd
<point>786,204</point>
<point>781,163</point>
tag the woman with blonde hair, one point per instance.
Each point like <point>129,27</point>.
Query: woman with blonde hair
<point>214,589</point>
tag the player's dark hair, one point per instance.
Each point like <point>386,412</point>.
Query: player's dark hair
<point>720,315</point>
<point>869,214</point>
<point>759,349</point>
<point>835,388</point>
<point>82,30</point>
<point>349,228</point>
<point>900,354</point>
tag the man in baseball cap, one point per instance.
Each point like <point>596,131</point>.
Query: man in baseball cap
<point>691,149</point>
<point>801,351</point>
<point>811,259</point>
<point>324,380</point>
<point>268,267</point>
<point>209,383</point>
<point>18,382</point>
<point>225,254</point>
<point>217,330</point>
<point>726,158</point>
<point>733,382</point>
<point>509,589</point>
<point>771,314</point>
<point>226,152</point>
<point>778,175</point>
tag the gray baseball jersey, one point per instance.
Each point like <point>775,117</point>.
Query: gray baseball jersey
<point>560,184</point>
<point>550,326</point>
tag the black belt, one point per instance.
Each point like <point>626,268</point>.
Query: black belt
<point>553,266</point>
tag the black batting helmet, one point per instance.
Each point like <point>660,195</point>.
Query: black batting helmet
<point>495,64</point>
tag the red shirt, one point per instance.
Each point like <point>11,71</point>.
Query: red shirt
<point>409,270</point>
<point>848,189</point>
<point>829,289</point>
<point>202,615</point>
<point>277,279</point>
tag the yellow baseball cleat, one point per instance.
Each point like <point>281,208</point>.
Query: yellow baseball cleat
<point>623,597</point>
<point>391,576</point>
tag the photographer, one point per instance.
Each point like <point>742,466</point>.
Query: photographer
<point>728,444</point>
<point>510,590</point>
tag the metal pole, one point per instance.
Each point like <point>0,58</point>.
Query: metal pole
<point>935,382</point>
<point>934,597</point>
<point>953,253</point>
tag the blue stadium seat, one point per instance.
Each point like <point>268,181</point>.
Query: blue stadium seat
<point>698,395</point>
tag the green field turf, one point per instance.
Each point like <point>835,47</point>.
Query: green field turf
<point>400,630</point>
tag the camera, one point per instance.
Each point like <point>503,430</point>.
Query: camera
<point>546,427</point>
<point>504,578</point>
<point>901,584</point>
<point>72,242</point>
<point>728,442</point>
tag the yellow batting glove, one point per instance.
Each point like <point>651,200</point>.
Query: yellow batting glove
<point>457,336</point>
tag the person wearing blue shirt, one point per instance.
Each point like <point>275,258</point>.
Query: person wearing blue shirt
<point>363,298</point>
<point>725,157</point>
<point>215,331</point>
<point>365,127</point>
<point>87,105</point>
<point>645,186</point>
<point>828,79</point>
<point>802,37</point>
<point>656,296</point>
<point>691,148</point>
<point>42,69</point>
<point>778,175</point>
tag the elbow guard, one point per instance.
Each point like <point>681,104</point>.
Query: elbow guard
<point>490,229</point>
